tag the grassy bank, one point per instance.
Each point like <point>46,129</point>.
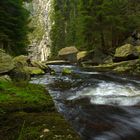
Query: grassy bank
<point>27,112</point>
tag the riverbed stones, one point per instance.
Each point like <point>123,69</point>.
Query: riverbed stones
<point>6,63</point>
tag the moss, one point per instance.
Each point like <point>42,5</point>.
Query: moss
<point>33,70</point>
<point>26,112</point>
<point>21,60</point>
<point>24,97</point>
<point>125,50</point>
<point>66,71</point>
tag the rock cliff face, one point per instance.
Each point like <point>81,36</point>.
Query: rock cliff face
<point>41,24</point>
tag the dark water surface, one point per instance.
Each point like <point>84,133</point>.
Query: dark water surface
<point>99,106</point>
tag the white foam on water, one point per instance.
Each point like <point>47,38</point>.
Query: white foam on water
<point>85,72</point>
<point>110,93</point>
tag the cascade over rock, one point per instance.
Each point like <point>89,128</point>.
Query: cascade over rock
<point>41,23</point>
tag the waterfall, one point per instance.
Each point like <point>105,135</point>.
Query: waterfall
<point>40,42</point>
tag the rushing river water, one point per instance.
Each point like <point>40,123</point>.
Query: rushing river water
<point>99,106</point>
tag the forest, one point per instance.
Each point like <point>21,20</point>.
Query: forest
<point>14,19</point>
<point>94,24</point>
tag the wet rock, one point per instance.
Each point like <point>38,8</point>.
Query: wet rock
<point>6,63</point>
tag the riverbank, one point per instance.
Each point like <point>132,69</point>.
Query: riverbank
<point>27,112</point>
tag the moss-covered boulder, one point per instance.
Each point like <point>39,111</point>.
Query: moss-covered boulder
<point>21,60</point>
<point>33,70</point>
<point>6,63</point>
<point>25,68</point>
<point>125,52</point>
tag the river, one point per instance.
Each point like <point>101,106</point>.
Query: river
<point>99,106</point>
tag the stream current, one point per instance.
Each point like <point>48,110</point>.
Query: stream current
<point>99,106</point>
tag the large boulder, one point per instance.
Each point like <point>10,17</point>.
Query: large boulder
<point>68,53</point>
<point>6,63</point>
<point>21,60</point>
<point>125,52</point>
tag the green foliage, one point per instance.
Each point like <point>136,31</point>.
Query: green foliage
<point>13,26</point>
<point>93,24</point>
